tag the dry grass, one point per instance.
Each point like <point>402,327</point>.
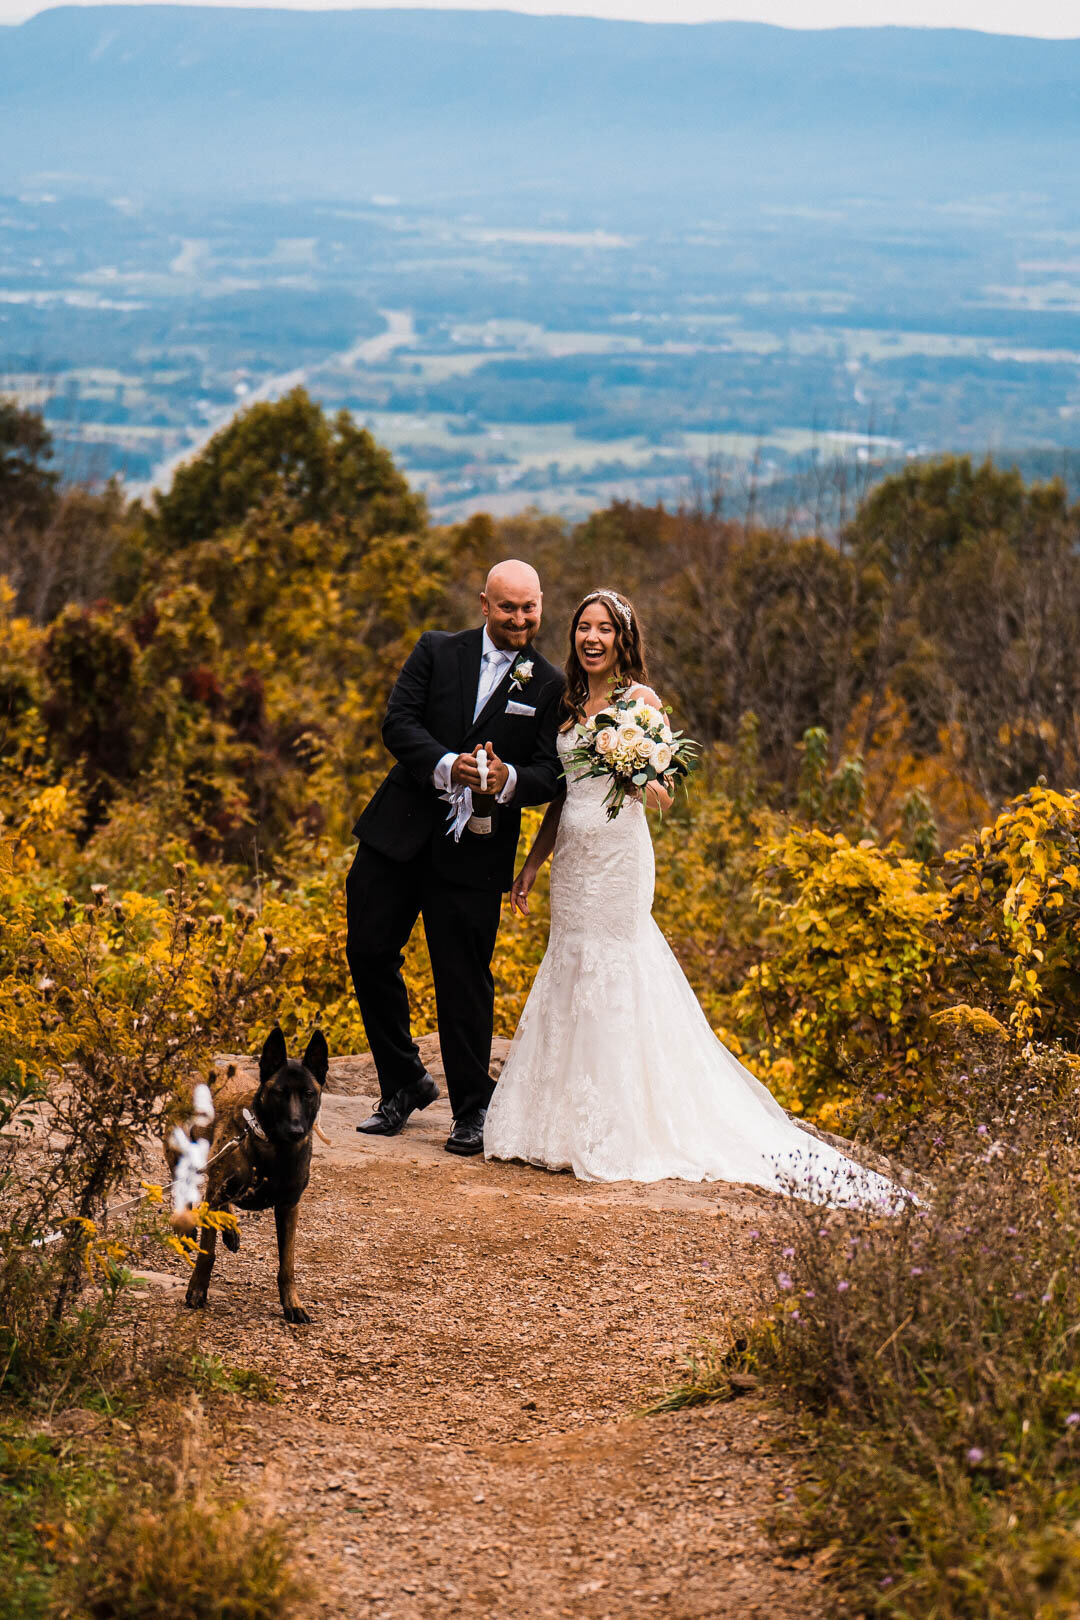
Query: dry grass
<point>182,1560</point>
<point>936,1357</point>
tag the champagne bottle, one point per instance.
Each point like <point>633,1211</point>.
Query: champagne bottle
<point>485,811</point>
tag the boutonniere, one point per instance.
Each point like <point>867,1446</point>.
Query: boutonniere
<point>521,674</point>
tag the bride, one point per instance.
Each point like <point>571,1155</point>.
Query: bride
<point>614,1072</point>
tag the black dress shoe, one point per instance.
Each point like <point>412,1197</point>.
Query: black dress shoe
<point>467,1136</point>
<point>392,1112</point>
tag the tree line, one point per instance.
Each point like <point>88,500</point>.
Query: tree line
<point>237,633</point>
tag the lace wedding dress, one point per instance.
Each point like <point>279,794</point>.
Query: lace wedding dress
<point>614,1072</point>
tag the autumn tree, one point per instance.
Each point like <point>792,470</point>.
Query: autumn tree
<point>325,470</point>
<point>982,581</point>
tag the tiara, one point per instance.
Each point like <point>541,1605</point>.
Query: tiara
<point>622,608</point>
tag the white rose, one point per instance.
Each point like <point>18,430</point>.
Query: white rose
<point>661,758</point>
<point>646,750</point>
<point>630,735</point>
<point>606,742</point>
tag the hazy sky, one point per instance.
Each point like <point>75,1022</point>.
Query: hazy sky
<point>1054,18</point>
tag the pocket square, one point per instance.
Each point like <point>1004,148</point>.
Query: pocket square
<point>519,708</point>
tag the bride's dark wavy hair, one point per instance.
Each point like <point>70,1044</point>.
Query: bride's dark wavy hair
<point>629,651</point>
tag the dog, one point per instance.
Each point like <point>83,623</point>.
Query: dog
<point>260,1157</point>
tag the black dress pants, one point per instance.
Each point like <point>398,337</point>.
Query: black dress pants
<point>385,898</point>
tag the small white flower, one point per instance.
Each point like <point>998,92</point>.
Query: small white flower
<point>647,716</point>
<point>521,674</point>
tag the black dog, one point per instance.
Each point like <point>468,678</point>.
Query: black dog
<point>266,1137</point>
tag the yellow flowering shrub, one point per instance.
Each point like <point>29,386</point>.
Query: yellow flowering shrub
<point>706,857</point>
<point>849,970</point>
<point>1013,918</point>
<point>108,1006</point>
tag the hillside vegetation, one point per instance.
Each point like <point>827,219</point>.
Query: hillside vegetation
<point>878,866</point>
<point>202,681</point>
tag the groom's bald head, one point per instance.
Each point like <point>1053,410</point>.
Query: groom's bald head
<point>512,576</point>
<point>511,601</point>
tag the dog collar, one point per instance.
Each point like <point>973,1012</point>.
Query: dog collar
<point>253,1125</point>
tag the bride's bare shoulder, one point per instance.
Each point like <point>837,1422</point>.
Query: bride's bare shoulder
<point>646,693</point>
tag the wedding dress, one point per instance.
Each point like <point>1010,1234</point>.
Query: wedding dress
<point>614,1072</point>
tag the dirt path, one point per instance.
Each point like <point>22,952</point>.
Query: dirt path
<point>456,1432</point>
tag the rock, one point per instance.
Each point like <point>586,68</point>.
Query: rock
<point>742,1383</point>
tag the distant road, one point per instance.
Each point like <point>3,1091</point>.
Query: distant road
<point>400,333</point>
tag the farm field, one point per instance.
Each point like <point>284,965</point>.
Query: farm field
<point>562,365</point>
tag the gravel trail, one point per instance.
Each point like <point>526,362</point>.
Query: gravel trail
<point>458,1431</point>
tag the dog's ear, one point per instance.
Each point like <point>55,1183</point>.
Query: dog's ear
<point>317,1056</point>
<point>274,1055</point>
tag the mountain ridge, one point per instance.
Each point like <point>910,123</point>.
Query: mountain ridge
<point>457,103</point>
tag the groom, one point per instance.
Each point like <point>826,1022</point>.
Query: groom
<point>455,694</point>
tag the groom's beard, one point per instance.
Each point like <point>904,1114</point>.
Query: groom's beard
<point>514,640</point>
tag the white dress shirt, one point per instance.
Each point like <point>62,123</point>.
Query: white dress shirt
<point>493,666</point>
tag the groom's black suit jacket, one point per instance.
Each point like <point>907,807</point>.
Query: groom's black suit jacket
<point>429,715</point>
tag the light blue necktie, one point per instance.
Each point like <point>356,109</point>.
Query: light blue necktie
<point>490,675</point>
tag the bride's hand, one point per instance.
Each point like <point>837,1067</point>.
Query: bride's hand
<point>519,892</point>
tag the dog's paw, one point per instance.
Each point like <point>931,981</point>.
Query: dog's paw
<point>231,1238</point>
<point>296,1313</point>
<point>195,1299</point>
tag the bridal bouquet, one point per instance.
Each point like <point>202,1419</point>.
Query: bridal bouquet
<point>631,742</point>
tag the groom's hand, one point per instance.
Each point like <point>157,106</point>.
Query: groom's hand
<point>466,771</point>
<point>498,772</point>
